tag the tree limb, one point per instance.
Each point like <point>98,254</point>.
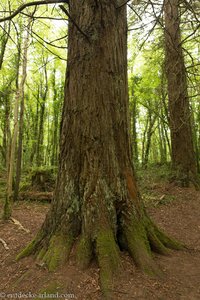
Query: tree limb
<point>75,24</point>
<point>23,6</point>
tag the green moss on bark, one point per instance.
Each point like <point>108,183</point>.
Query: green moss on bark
<point>169,242</point>
<point>7,210</point>
<point>58,251</point>
<point>41,253</point>
<point>156,244</point>
<point>107,253</point>
<point>139,247</point>
<point>30,248</point>
<point>84,252</point>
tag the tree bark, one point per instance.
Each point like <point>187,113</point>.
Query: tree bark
<point>4,41</point>
<point>21,120</point>
<point>56,121</point>
<point>133,112</point>
<point>43,95</point>
<point>147,138</point>
<point>9,188</point>
<point>183,155</point>
<point>35,122</point>
<point>96,201</point>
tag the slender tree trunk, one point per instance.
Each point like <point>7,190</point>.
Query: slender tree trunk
<point>8,197</point>
<point>11,154</point>
<point>149,133</point>
<point>43,94</point>
<point>6,127</point>
<point>162,142</point>
<point>134,130</point>
<point>21,121</point>
<point>48,147</point>
<point>4,41</point>
<point>55,125</point>
<point>144,139</point>
<point>183,155</point>
<point>96,200</point>
<point>35,123</point>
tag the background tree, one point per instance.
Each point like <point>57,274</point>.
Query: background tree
<point>21,107</point>
<point>19,102</point>
<point>183,155</point>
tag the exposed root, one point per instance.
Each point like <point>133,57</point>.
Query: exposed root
<point>7,210</point>
<point>139,248</point>
<point>136,233</point>
<point>41,253</point>
<point>84,252</point>
<point>107,253</point>
<point>155,243</point>
<point>169,242</point>
<point>159,239</point>
<point>58,251</point>
<point>30,249</point>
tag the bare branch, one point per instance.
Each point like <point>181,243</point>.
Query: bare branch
<point>48,18</point>
<point>75,24</point>
<point>123,4</point>
<point>16,222</point>
<point>58,56</point>
<point>47,42</point>
<point>33,3</point>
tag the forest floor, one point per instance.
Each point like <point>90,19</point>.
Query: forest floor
<point>175,209</point>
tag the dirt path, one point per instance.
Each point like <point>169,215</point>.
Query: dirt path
<point>176,210</point>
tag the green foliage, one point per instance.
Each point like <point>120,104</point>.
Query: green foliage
<point>43,63</point>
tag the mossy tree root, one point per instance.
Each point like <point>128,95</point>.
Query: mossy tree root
<point>84,251</point>
<point>167,241</point>
<point>7,211</point>
<point>57,252</point>
<point>107,252</point>
<point>142,237</point>
<point>104,247</point>
<point>29,249</point>
<point>139,247</point>
<point>53,252</point>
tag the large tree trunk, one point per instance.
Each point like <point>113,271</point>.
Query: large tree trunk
<point>96,201</point>
<point>183,155</point>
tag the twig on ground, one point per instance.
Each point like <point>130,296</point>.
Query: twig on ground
<point>4,244</point>
<point>16,222</point>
